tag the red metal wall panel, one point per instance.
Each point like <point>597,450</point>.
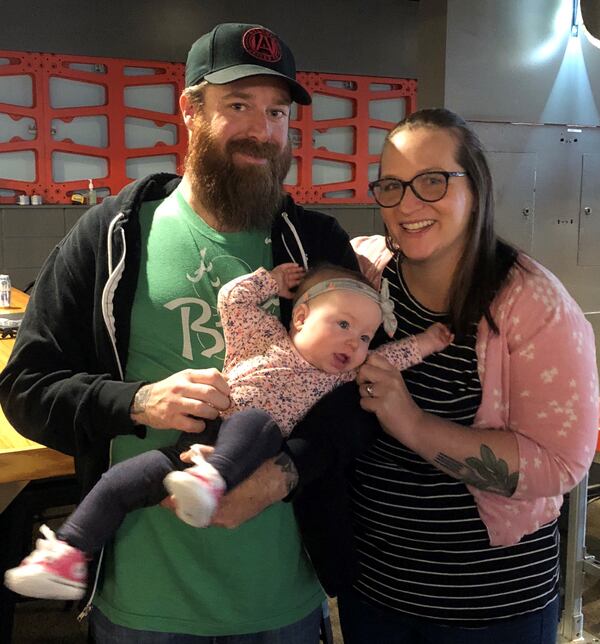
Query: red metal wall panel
<point>111,75</point>
<point>114,81</point>
<point>30,66</point>
<point>360,91</point>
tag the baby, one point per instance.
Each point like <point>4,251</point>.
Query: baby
<point>275,377</point>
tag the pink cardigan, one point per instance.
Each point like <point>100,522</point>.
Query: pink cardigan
<point>539,380</point>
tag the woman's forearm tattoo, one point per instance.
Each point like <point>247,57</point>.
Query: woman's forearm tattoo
<point>485,473</point>
<point>290,473</point>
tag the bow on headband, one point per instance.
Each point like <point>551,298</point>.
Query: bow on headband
<point>347,284</point>
<point>390,323</point>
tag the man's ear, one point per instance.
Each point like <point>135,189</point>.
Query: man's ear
<point>299,315</point>
<point>188,110</point>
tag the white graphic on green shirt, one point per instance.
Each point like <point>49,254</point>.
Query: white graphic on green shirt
<point>207,280</point>
<point>202,269</point>
<point>196,326</point>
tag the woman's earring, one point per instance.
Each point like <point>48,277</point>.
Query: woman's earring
<point>392,246</point>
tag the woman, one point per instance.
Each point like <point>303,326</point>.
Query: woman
<point>455,506</point>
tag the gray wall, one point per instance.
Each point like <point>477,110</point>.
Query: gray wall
<point>510,63</point>
<point>375,38</point>
<point>28,234</point>
<point>509,60</point>
<point>431,43</point>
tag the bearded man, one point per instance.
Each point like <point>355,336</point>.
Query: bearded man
<point>121,347</point>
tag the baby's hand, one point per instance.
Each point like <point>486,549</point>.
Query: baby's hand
<point>433,339</point>
<point>287,276</point>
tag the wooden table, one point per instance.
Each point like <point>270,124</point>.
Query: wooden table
<point>22,460</point>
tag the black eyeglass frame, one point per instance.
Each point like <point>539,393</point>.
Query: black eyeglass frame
<point>409,184</point>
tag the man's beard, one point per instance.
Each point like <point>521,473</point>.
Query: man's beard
<point>241,197</point>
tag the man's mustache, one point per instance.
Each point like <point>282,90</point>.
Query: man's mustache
<point>269,151</point>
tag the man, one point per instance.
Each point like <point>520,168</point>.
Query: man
<point>129,298</point>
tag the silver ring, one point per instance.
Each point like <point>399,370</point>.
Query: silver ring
<point>369,390</point>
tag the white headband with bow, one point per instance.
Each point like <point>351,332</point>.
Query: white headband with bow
<point>382,298</point>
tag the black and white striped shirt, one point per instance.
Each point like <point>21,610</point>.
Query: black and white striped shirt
<point>422,547</point>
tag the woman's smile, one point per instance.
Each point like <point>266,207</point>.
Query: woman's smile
<point>417,226</point>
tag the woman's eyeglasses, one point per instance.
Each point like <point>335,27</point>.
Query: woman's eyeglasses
<point>427,186</point>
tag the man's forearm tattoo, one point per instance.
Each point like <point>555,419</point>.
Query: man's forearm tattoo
<point>140,400</point>
<point>290,473</point>
<point>485,473</point>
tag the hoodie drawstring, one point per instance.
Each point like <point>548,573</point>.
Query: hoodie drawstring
<point>298,242</point>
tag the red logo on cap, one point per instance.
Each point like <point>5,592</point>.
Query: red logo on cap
<point>262,44</point>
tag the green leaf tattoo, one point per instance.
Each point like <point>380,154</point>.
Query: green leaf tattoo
<point>485,473</point>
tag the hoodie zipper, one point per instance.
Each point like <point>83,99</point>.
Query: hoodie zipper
<point>114,275</point>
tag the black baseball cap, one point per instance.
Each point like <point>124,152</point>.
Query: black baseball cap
<point>232,51</point>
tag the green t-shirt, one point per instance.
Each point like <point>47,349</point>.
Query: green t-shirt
<point>161,574</point>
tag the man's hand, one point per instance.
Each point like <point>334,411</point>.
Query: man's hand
<point>266,485</point>
<point>270,483</point>
<point>287,276</point>
<point>182,400</point>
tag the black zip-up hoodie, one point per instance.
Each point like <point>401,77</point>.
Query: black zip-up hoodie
<point>63,385</point>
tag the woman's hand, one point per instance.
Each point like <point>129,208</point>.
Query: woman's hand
<point>384,393</point>
<point>462,452</point>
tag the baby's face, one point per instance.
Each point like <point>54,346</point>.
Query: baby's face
<point>334,330</point>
